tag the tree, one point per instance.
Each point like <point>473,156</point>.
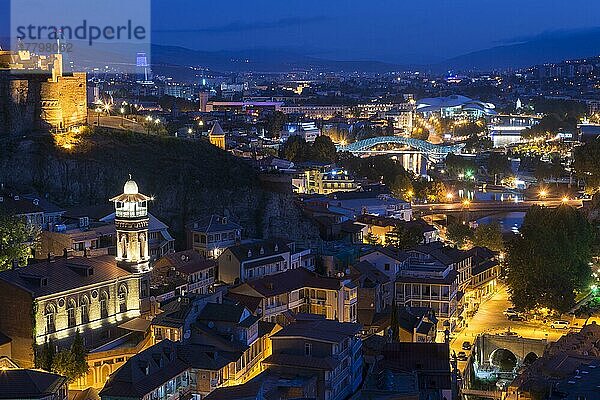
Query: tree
<point>498,164</point>
<point>323,150</point>
<point>402,187</point>
<point>295,149</point>
<point>549,262</point>
<point>371,239</point>
<point>16,240</point>
<point>44,357</point>
<point>394,324</point>
<point>405,237</point>
<point>71,362</point>
<point>490,236</point>
<point>587,163</point>
<point>459,234</point>
<point>274,123</point>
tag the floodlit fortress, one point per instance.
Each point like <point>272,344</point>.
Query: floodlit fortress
<point>35,94</point>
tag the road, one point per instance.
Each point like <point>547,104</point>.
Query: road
<point>490,319</point>
<point>115,122</point>
<point>493,205</point>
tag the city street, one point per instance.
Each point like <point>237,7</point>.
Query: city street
<point>490,319</point>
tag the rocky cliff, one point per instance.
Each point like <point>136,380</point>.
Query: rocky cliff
<point>188,179</point>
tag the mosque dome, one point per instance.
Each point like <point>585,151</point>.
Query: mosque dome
<point>130,187</point>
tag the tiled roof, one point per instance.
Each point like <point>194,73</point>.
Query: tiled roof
<point>161,362</point>
<point>284,282</point>
<point>188,261</point>
<point>28,384</point>
<point>367,271</point>
<point>252,251</point>
<point>222,312</point>
<point>319,329</point>
<point>213,223</point>
<point>62,274</point>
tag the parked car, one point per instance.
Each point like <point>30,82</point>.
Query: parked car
<point>461,356</point>
<point>466,346</point>
<point>559,325</point>
<point>510,312</point>
<point>516,317</point>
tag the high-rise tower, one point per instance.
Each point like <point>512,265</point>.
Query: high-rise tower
<point>131,222</point>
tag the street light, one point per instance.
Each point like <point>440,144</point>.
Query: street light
<point>543,193</point>
<point>449,196</point>
<point>565,200</point>
<point>122,110</point>
<point>466,202</point>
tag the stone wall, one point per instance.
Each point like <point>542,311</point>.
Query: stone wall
<point>31,102</point>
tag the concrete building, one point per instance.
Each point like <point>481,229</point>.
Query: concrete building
<point>198,273</point>
<point>306,130</point>
<point>246,262</point>
<point>65,295</point>
<point>330,350</point>
<point>324,180</point>
<point>316,112</point>
<point>299,291</point>
<point>455,107</point>
<point>209,236</point>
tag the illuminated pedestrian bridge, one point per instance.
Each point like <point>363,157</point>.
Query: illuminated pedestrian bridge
<point>399,144</point>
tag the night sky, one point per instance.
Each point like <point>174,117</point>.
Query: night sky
<point>386,30</point>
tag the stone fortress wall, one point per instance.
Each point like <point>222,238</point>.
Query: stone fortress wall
<point>39,99</point>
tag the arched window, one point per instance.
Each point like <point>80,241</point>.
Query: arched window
<point>104,305</point>
<point>50,314</point>
<point>71,320</point>
<point>84,308</point>
<point>123,298</point>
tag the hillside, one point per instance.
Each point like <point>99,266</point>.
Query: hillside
<point>187,178</point>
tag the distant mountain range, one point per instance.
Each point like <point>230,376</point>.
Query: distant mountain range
<point>262,60</point>
<point>548,47</point>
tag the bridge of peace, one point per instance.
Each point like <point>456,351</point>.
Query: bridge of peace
<point>414,154</point>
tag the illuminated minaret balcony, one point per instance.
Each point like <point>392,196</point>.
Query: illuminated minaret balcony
<point>131,222</point>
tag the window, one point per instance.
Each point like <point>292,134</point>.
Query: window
<point>203,239</point>
<point>307,349</point>
<point>123,299</point>
<point>85,310</point>
<point>387,267</point>
<point>50,318</point>
<point>104,305</point>
<point>71,314</point>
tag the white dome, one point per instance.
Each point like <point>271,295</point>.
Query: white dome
<point>130,187</point>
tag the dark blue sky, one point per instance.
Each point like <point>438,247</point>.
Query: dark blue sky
<point>389,30</point>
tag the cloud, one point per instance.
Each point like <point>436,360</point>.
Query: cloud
<point>240,26</point>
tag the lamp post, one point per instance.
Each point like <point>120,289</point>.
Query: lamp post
<point>122,110</point>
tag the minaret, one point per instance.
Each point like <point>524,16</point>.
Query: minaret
<point>131,221</point>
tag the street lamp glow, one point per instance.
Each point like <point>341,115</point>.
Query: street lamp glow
<point>565,200</point>
<point>449,196</point>
<point>122,110</point>
<point>466,202</point>
<point>201,123</point>
<point>106,107</point>
<point>543,193</point>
